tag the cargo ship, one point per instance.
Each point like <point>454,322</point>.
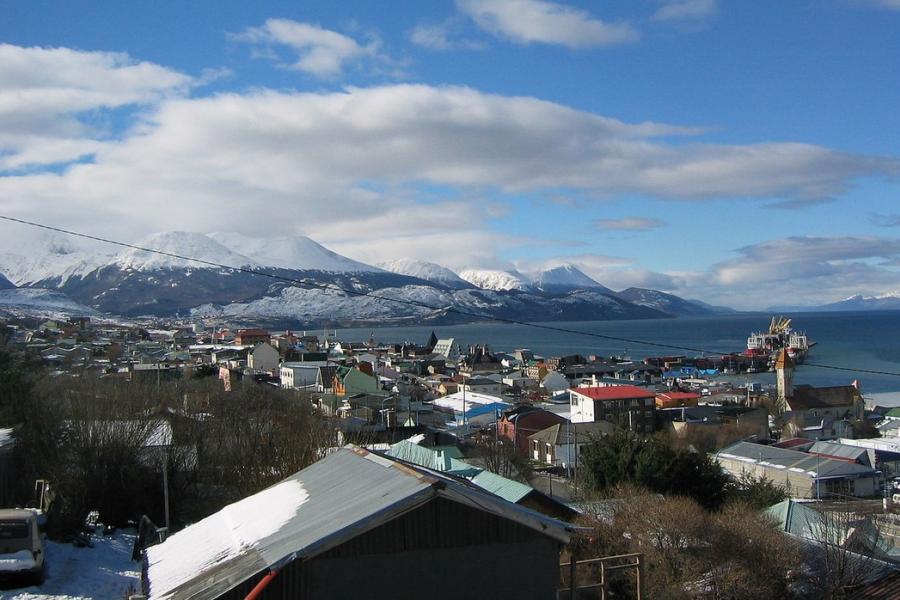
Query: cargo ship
<point>780,335</point>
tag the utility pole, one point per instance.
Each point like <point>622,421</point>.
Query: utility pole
<point>165,471</point>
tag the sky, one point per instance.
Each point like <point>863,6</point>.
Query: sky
<point>742,153</point>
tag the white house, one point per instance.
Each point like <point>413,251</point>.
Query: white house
<point>263,357</point>
<point>300,375</point>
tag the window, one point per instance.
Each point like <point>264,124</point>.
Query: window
<point>13,530</point>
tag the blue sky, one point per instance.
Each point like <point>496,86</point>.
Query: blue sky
<point>746,153</point>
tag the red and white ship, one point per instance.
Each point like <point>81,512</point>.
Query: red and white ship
<point>780,335</point>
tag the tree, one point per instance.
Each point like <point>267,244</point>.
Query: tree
<point>499,456</point>
<point>653,463</point>
<point>759,492</point>
<point>689,552</point>
<point>843,554</point>
<point>18,375</point>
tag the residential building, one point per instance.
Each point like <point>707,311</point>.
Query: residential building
<point>518,424</point>
<point>344,527</point>
<point>251,337</point>
<point>560,444</point>
<point>626,406</point>
<point>263,357</point>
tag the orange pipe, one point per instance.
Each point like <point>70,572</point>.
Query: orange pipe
<point>258,589</point>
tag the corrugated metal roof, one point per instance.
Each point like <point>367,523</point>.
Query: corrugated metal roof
<point>509,490</point>
<point>343,495</point>
<point>839,450</point>
<point>781,458</point>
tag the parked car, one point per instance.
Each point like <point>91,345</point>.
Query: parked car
<point>21,549</point>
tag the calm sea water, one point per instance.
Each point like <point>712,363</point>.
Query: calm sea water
<point>860,340</point>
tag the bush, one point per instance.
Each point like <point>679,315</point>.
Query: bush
<point>653,463</point>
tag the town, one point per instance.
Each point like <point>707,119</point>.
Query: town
<point>188,428</point>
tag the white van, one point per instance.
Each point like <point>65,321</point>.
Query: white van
<point>21,549</point>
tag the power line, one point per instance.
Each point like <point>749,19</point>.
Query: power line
<point>407,302</point>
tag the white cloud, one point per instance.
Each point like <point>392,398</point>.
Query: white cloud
<point>47,91</point>
<point>540,21</point>
<point>686,11</point>
<point>320,52</point>
<point>442,36</point>
<point>305,161</point>
<point>628,224</point>
<point>364,171</point>
<point>888,4</point>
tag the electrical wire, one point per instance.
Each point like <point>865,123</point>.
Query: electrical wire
<point>448,309</point>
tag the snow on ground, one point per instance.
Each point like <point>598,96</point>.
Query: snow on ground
<point>105,571</point>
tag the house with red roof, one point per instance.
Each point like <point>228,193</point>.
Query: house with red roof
<point>626,406</point>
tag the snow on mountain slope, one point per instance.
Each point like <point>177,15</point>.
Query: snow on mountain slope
<point>425,270</point>
<point>41,302</point>
<point>667,303</point>
<point>421,302</point>
<point>6,284</point>
<point>52,255</point>
<point>565,276</point>
<point>291,252</point>
<point>494,280</point>
<point>182,243</point>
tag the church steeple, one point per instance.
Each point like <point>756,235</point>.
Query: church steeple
<point>784,377</point>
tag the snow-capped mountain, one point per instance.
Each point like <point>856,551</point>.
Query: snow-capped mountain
<point>661,301</point>
<point>294,304</point>
<point>427,271</point>
<point>294,279</point>
<point>52,255</point>
<point>6,284</point>
<point>180,243</point>
<point>291,252</point>
<point>494,280</point>
<point>886,301</point>
<point>564,277</point>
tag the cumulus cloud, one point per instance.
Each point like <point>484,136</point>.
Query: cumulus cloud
<point>540,21</point>
<point>628,224</point>
<point>805,270</point>
<point>686,11</point>
<point>289,161</point>
<point>319,52</point>
<point>47,92</point>
<point>788,271</point>
<point>396,170</point>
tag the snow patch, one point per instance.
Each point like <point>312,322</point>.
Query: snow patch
<point>487,279</point>
<point>423,270</point>
<point>70,573</point>
<point>17,562</point>
<point>194,245</point>
<point>235,530</point>
<point>294,252</point>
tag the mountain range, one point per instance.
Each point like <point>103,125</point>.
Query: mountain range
<point>857,302</point>
<point>298,281</point>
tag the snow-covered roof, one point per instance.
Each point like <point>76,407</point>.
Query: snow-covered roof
<point>345,494</point>
<point>460,402</point>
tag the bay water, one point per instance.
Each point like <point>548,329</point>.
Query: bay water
<point>850,340</point>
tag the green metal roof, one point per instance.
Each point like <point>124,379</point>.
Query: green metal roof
<point>507,489</point>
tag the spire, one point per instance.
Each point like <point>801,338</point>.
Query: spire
<point>784,360</point>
